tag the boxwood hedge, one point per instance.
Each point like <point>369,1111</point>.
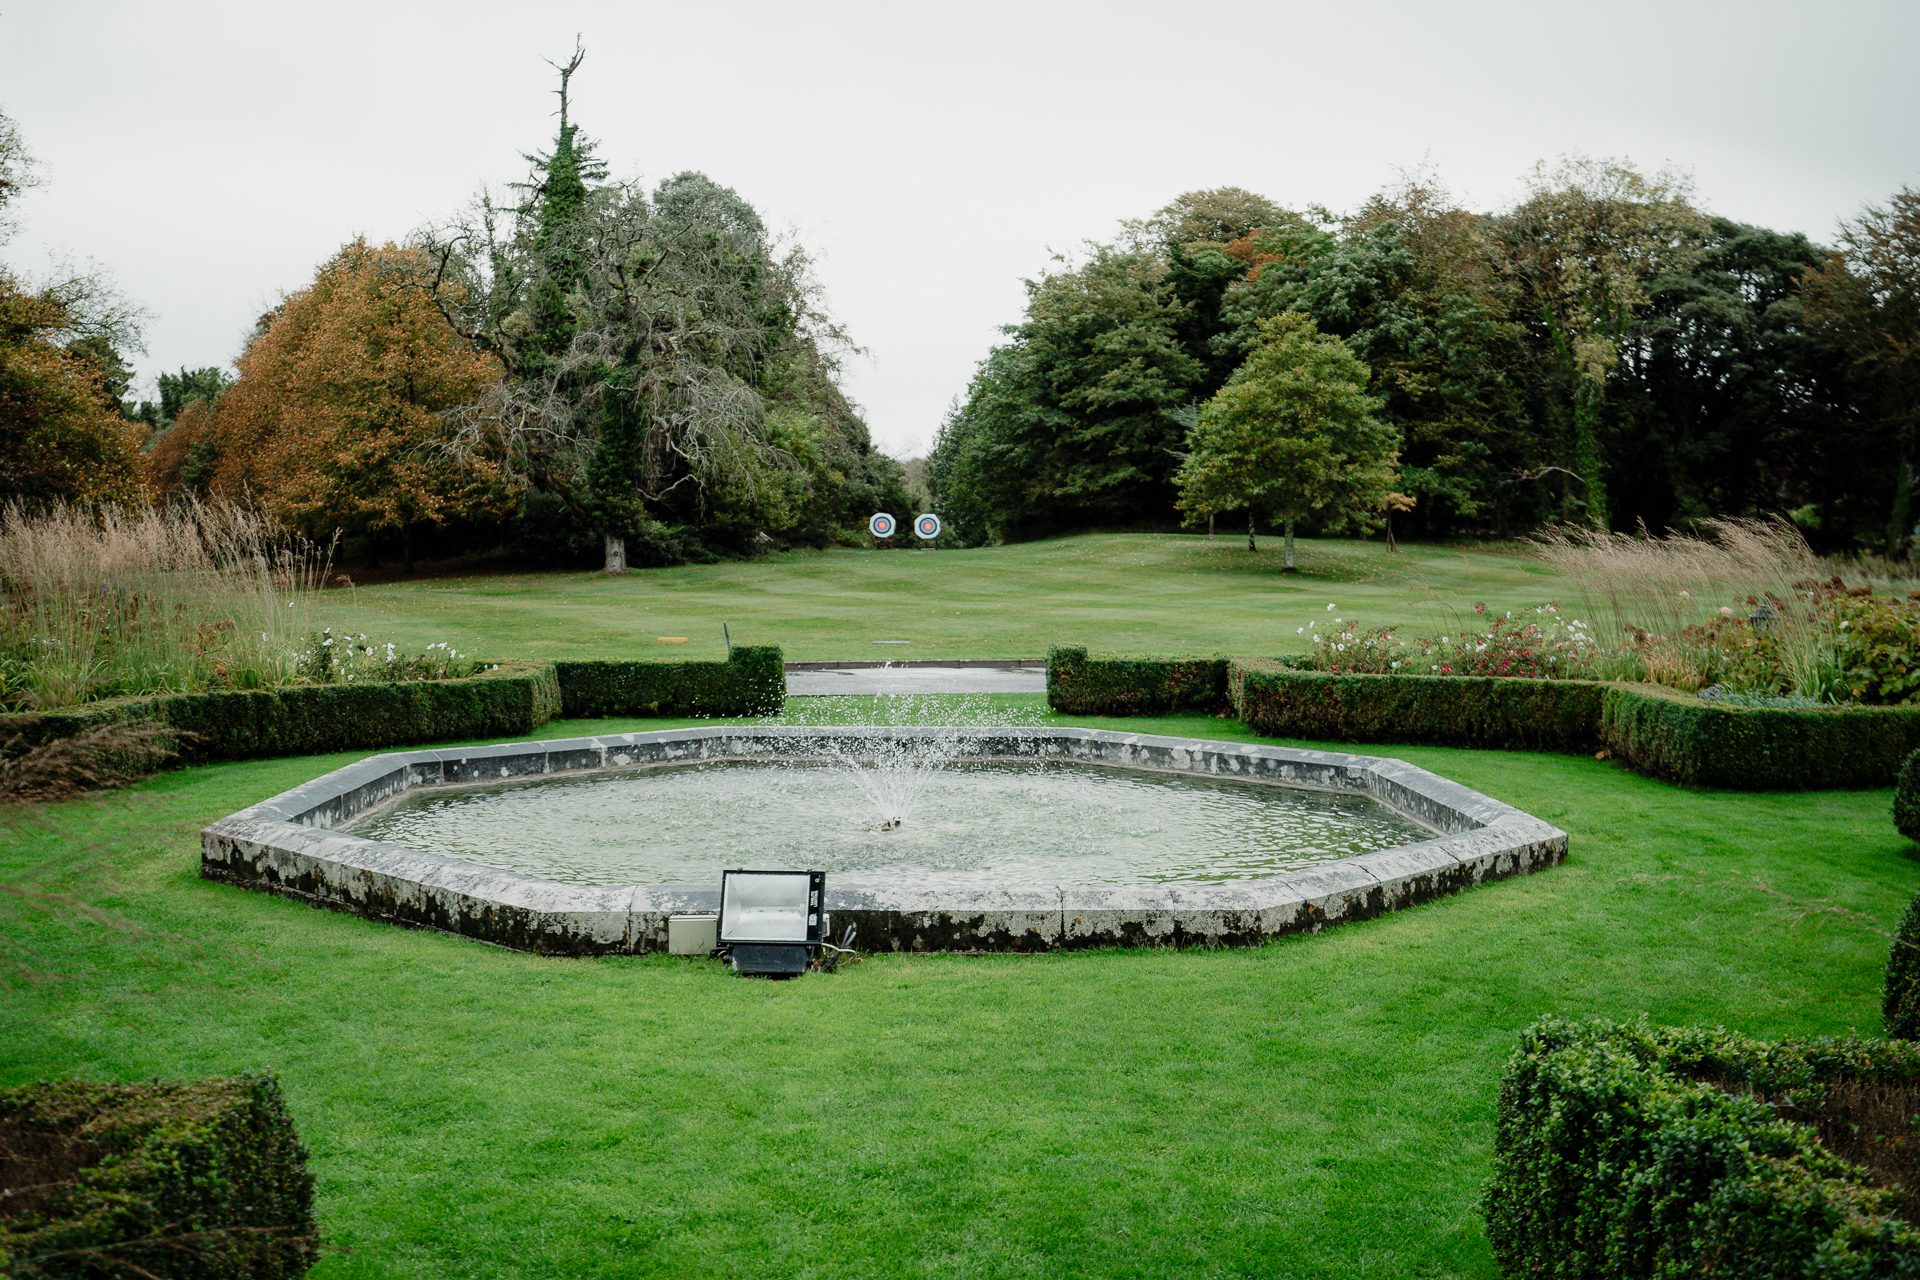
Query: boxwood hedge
<point>1278,700</point>
<point>1656,730</point>
<point>511,699</point>
<point>1082,684</point>
<point>1634,1151</point>
<point>1684,738</point>
<point>752,681</point>
<point>1906,798</point>
<point>197,1179</point>
<point>1900,1005</point>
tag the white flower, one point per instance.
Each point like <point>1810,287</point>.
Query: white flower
<point>1329,608</point>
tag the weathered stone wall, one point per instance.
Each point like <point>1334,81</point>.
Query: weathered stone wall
<point>290,845</point>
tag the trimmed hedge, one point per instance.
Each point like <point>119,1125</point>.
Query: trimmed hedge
<point>512,700</point>
<point>197,1179</point>
<point>1117,685</point>
<point>1684,738</point>
<point>751,682</point>
<point>1631,1151</point>
<point>1653,729</point>
<point>1900,1006</point>
<point>1277,700</point>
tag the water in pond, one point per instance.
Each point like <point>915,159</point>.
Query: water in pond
<point>986,824</point>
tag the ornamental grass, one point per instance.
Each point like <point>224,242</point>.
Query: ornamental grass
<point>101,602</point>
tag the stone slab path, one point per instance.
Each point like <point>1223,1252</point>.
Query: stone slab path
<point>822,680</point>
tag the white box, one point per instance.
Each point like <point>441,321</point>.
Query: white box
<point>692,935</point>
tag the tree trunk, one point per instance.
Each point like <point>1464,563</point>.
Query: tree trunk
<point>616,556</point>
<point>1586,452</point>
<point>406,548</point>
<point>1898,528</point>
<point>1209,526</point>
<point>1289,564</point>
<point>1250,545</point>
<point>1390,547</point>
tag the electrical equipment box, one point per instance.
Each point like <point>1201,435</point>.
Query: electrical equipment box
<point>692,935</point>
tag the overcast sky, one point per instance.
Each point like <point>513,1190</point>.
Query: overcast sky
<point>210,155</point>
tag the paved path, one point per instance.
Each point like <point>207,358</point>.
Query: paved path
<point>826,682</point>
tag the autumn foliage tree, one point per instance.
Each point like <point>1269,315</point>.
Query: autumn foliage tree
<point>61,434</point>
<point>334,421</point>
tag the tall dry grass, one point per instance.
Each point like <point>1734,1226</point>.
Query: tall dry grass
<point>103,602</point>
<point>1655,603</point>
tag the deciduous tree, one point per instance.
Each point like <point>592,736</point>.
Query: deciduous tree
<point>335,420</point>
<point>1866,299</point>
<point>1584,249</point>
<point>1293,435</point>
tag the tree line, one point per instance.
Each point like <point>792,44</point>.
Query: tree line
<point>1602,353</point>
<point>580,369</point>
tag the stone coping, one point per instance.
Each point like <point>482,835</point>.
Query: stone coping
<point>291,845</point>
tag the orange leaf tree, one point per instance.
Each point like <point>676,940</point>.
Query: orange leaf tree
<point>333,422</point>
<point>61,436</point>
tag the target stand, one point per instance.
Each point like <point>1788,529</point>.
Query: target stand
<point>881,526</point>
<point>926,527</point>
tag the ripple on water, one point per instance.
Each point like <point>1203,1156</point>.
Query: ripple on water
<point>985,824</point>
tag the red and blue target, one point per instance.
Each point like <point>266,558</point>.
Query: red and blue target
<point>881,525</point>
<point>927,526</point>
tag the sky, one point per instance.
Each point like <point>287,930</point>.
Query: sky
<point>209,155</point>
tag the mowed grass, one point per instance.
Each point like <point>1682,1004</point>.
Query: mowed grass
<point>1164,593</point>
<point>1320,1106</point>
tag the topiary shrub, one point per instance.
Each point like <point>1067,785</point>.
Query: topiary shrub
<point>1900,1007</point>
<point>197,1180</point>
<point>1906,798</point>
<point>1631,1150</point>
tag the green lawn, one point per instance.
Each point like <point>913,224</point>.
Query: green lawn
<point>1320,1106</point>
<point>1164,593</point>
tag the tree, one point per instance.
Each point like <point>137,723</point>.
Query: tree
<point>1726,401</point>
<point>1197,220</point>
<point>1409,284</point>
<point>1866,299</point>
<point>1294,435</point>
<point>1583,249</point>
<point>335,419</point>
<point>61,436</point>
<point>642,340</point>
<point>61,433</point>
<point>1074,420</point>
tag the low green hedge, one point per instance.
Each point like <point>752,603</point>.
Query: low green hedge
<point>1689,739</point>
<point>1656,730</point>
<point>1117,685</point>
<point>199,1179</point>
<point>1633,1151</point>
<point>509,700</point>
<point>751,682</point>
<point>1278,700</point>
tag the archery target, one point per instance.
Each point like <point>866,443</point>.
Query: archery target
<point>927,526</point>
<point>881,526</point>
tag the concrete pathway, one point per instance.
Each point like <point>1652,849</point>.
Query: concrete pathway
<point>812,679</point>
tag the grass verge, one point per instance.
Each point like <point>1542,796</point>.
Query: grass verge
<point>1162,593</point>
<point>1315,1107</point>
